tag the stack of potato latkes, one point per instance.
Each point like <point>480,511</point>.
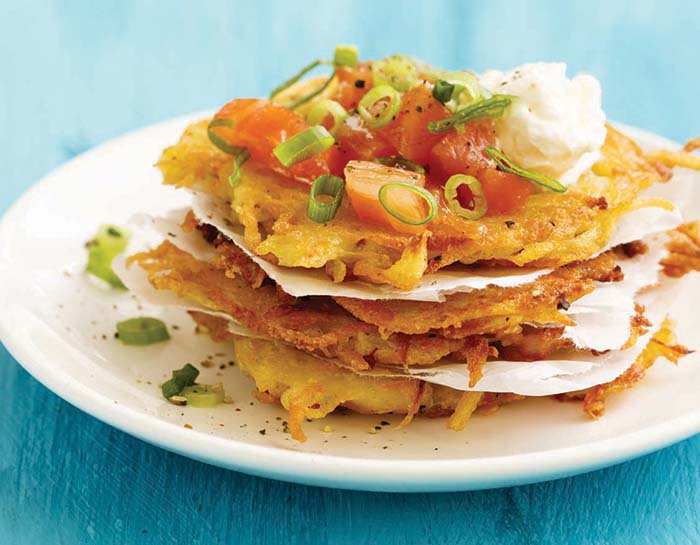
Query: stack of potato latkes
<point>365,275</point>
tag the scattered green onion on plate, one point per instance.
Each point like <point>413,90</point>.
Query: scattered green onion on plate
<point>182,389</point>
<point>109,241</point>
<point>181,378</point>
<point>142,331</point>
<point>203,395</point>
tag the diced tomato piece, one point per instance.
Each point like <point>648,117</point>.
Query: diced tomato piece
<point>353,83</point>
<point>463,153</point>
<point>363,179</point>
<point>505,193</point>
<point>358,141</point>
<point>409,133</point>
<point>237,109</point>
<point>264,127</point>
<point>329,162</point>
<point>260,126</point>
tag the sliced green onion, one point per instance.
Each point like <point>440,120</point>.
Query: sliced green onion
<point>478,203</point>
<point>109,241</point>
<point>459,89</point>
<point>291,81</point>
<point>217,140</point>
<point>397,71</point>
<point>373,99</point>
<point>331,186</point>
<point>399,162</point>
<point>345,55</point>
<point>322,109</point>
<point>506,165</point>
<point>303,100</point>
<point>112,236</point>
<point>203,395</point>
<point>296,77</point>
<point>240,158</point>
<point>181,378</point>
<point>304,145</point>
<point>418,190</point>
<point>490,107</point>
<point>442,91</point>
<point>467,88</point>
<point>240,154</point>
<point>142,331</point>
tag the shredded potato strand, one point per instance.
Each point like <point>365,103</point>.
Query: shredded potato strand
<point>684,250</point>
<point>663,344</point>
<point>464,410</point>
<point>684,158</point>
<point>477,352</point>
<point>692,145</point>
<point>676,159</point>
<point>415,406</point>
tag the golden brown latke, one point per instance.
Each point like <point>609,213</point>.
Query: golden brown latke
<point>492,311</point>
<point>664,344</point>
<point>684,251</point>
<point>311,387</point>
<point>315,324</point>
<point>550,231</point>
<point>232,283</point>
<point>486,319</point>
<point>495,310</point>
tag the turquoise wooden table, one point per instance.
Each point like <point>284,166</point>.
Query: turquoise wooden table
<point>74,74</point>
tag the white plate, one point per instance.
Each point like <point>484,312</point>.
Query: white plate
<point>60,327</point>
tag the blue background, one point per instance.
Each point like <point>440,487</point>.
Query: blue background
<point>74,74</point>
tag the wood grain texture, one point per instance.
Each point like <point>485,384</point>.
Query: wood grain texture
<point>77,73</point>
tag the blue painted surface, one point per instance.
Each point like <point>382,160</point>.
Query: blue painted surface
<point>77,73</point>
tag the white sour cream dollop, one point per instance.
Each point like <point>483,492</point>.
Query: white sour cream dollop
<point>556,126</point>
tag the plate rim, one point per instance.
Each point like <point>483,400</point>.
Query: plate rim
<point>367,474</point>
